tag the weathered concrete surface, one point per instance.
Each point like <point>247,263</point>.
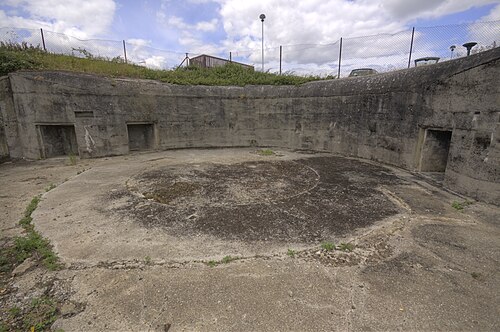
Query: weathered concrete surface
<point>429,267</point>
<point>235,214</point>
<point>382,117</point>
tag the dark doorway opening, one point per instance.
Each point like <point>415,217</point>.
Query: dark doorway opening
<point>435,150</point>
<point>58,140</point>
<point>140,136</point>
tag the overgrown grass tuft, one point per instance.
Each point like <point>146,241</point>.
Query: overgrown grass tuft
<point>42,314</point>
<point>15,57</point>
<point>328,246</point>
<point>32,206</point>
<point>266,152</point>
<point>225,260</point>
<point>33,244</point>
<point>459,206</point>
<point>347,246</point>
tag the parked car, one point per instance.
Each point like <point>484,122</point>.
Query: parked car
<point>430,60</point>
<point>362,72</point>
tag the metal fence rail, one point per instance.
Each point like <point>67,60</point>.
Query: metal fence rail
<point>382,52</point>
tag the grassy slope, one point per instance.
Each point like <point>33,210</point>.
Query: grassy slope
<point>18,57</point>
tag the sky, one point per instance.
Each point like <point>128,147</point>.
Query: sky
<point>309,29</point>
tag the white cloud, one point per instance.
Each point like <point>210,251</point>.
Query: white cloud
<point>81,19</point>
<point>401,9</point>
<point>494,14</point>
<point>291,22</point>
<point>178,22</point>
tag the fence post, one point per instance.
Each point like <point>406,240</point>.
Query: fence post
<point>411,46</point>
<point>340,56</point>
<point>230,57</point>
<point>43,40</point>
<point>281,53</point>
<point>125,51</point>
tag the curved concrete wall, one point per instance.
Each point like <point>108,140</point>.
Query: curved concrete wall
<point>391,118</point>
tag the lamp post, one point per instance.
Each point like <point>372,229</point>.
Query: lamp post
<point>262,17</point>
<point>469,46</point>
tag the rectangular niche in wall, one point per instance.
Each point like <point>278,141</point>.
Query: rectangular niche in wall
<point>58,140</point>
<point>435,149</point>
<point>140,136</point>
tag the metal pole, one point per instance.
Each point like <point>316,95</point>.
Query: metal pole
<point>340,56</point>
<point>125,51</point>
<point>411,46</point>
<point>281,53</point>
<point>230,57</point>
<point>187,58</point>
<point>43,40</point>
<point>262,45</point>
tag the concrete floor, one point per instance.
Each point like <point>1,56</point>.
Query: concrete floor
<point>135,264</point>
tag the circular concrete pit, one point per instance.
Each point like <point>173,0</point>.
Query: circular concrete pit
<point>185,205</point>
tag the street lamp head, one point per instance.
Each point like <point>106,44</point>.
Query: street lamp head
<point>262,17</point>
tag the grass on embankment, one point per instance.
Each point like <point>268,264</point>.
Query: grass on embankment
<point>18,57</point>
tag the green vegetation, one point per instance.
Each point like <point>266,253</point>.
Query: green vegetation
<point>26,220</point>
<point>228,259</point>
<point>32,206</point>
<point>476,275</point>
<point>459,206</point>
<point>15,57</point>
<point>291,253</point>
<point>212,263</point>
<point>266,152</point>
<point>328,246</point>
<point>225,260</point>
<point>72,159</point>
<point>14,311</point>
<point>42,314</point>
<point>347,247</point>
<point>50,187</point>
<point>33,244</point>
<point>147,260</point>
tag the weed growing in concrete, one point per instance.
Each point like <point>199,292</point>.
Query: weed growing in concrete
<point>228,259</point>
<point>291,253</point>
<point>50,187</point>
<point>33,243</point>
<point>459,206</point>
<point>212,263</point>
<point>328,246</point>
<point>266,152</point>
<point>26,220</point>
<point>72,159</point>
<point>14,311</point>
<point>147,260</point>
<point>225,260</point>
<point>42,314</point>
<point>347,247</point>
<point>476,275</point>
<point>32,206</point>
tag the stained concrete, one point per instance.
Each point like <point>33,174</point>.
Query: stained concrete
<point>380,117</point>
<point>426,267</point>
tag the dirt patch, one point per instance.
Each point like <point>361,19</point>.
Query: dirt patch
<point>175,191</point>
<point>306,200</point>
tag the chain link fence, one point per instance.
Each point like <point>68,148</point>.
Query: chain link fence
<point>382,52</point>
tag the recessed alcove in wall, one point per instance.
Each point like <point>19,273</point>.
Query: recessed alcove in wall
<point>141,136</point>
<point>435,149</point>
<point>57,140</point>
